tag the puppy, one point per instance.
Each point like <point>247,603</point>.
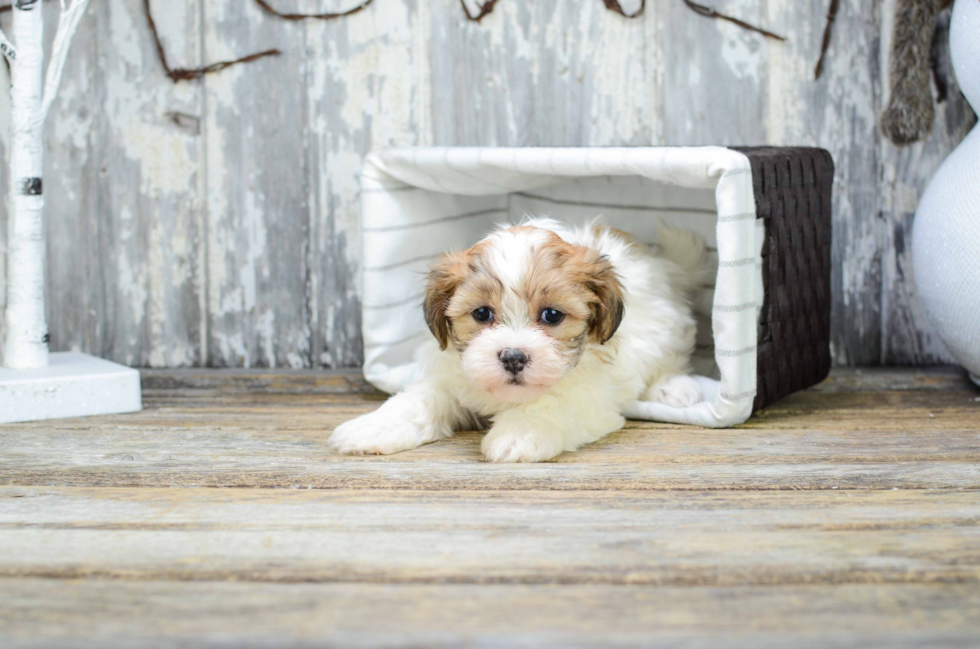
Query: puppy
<point>546,332</point>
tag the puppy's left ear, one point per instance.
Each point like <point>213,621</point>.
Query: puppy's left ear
<point>444,278</point>
<point>610,305</point>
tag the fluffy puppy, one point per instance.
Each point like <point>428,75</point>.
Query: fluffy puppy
<point>545,331</point>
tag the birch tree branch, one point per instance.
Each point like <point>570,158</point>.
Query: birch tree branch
<point>67,26</point>
<point>7,48</point>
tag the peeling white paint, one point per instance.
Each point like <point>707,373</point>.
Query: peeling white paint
<point>200,234</point>
<point>131,277</point>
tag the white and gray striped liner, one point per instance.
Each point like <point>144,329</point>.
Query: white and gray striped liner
<point>418,203</point>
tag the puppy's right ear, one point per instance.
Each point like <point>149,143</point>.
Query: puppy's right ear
<point>444,278</point>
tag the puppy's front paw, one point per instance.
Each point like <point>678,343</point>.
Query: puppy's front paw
<point>519,444</point>
<point>376,433</point>
<point>678,391</point>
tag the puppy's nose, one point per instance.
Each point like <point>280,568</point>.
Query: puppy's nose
<point>514,360</point>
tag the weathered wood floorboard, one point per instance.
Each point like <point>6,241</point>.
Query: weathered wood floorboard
<point>654,538</point>
<point>40,612</point>
<point>844,516</point>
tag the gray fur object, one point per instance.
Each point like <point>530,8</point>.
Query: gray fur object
<point>909,114</point>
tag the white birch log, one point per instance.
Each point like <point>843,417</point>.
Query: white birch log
<point>7,48</point>
<point>26,346</point>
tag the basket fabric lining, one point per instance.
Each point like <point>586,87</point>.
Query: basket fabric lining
<point>420,202</point>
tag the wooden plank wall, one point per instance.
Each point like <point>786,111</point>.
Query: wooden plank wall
<point>215,222</point>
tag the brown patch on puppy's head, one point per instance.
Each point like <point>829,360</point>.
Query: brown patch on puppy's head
<point>581,283</point>
<point>444,278</point>
<point>610,305</point>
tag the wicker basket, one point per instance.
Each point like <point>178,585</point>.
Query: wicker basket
<point>764,324</point>
<point>792,188</point>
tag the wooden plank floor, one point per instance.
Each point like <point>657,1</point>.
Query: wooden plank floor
<point>848,515</point>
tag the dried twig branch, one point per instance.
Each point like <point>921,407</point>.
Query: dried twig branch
<point>485,8</point>
<point>708,12</point>
<point>614,6</point>
<point>827,31</point>
<point>324,16</point>
<point>184,74</point>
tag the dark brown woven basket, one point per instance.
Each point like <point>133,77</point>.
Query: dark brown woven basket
<point>792,194</point>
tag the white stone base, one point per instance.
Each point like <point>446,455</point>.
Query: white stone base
<point>73,385</point>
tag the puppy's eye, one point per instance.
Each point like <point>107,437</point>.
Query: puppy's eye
<point>551,316</point>
<point>483,314</point>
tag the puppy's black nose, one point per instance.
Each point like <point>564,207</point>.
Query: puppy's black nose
<point>514,360</point>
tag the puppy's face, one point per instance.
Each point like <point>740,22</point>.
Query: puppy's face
<point>520,306</point>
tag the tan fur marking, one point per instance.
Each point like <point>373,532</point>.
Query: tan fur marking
<point>445,276</point>
<point>579,282</point>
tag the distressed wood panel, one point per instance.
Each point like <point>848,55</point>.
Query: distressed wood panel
<point>215,222</point>
<point>547,73</point>
<point>78,317</point>
<point>255,127</point>
<point>39,612</point>
<point>838,112</point>
<point>716,76</point>
<point>652,538</point>
<point>364,81</point>
<point>125,269</point>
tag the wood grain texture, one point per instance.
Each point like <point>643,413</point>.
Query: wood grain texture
<point>257,212</point>
<point>845,516</point>
<point>216,222</point>
<point>648,538</point>
<point>78,314</point>
<point>125,228</point>
<point>258,429</point>
<point>87,613</point>
<point>716,77</point>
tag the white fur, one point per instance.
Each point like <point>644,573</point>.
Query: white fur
<point>564,404</point>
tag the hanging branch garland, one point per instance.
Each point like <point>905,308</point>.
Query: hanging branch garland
<point>485,8</point>
<point>708,12</point>
<point>184,74</point>
<point>324,16</point>
<point>615,7</point>
<point>827,30</point>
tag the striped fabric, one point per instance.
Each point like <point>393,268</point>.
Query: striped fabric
<point>418,203</point>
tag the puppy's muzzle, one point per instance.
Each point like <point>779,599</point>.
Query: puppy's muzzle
<point>513,360</point>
